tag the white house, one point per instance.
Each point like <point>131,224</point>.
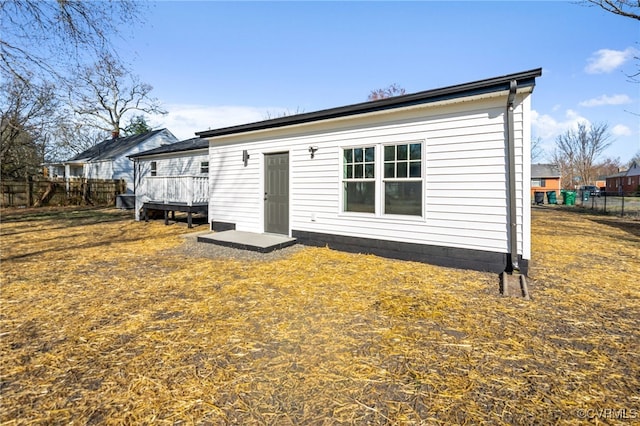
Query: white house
<point>108,159</point>
<point>440,176</point>
<point>173,178</point>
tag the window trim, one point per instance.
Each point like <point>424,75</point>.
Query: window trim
<point>204,165</point>
<point>420,179</point>
<point>379,180</point>
<point>374,180</point>
<point>154,168</point>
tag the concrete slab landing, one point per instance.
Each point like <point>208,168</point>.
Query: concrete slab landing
<point>263,243</point>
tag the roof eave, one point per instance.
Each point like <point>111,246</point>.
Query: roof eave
<point>157,154</point>
<point>524,79</point>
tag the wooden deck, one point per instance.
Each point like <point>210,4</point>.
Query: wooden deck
<point>173,208</point>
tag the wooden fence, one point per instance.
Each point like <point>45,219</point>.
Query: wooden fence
<point>39,191</point>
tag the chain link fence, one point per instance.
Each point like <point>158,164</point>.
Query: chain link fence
<point>622,204</point>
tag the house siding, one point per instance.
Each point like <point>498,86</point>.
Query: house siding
<point>183,164</point>
<point>172,164</point>
<point>122,167</point>
<point>464,190</point>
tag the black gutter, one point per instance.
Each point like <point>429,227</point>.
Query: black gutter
<point>512,214</point>
<point>495,84</point>
<point>194,145</point>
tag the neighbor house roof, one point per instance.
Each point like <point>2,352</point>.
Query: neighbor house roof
<point>544,171</point>
<point>496,84</point>
<point>112,148</point>
<point>634,170</point>
<point>186,145</point>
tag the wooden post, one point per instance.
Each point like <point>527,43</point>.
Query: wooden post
<point>164,190</point>
<point>190,190</point>
<point>29,190</point>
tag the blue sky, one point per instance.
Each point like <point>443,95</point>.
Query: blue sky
<point>215,64</point>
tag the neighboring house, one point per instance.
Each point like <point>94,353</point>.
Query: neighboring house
<point>545,177</point>
<point>173,178</point>
<point>108,159</point>
<point>440,176</point>
<point>625,182</point>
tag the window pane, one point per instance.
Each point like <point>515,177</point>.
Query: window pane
<point>389,170</point>
<point>359,197</point>
<point>402,152</point>
<point>357,155</point>
<point>389,153</point>
<point>348,171</point>
<point>368,171</point>
<point>358,171</point>
<point>348,156</point>
<point>416,151</point>
<point>403,198</point>
<point>369,155</point>
<point>402,170</point>
<point>414,169</point>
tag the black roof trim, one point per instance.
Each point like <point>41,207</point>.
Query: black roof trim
<point>182,146</point>
<point>495,84</point>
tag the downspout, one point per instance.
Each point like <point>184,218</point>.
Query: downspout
<point>512,283</point>
<point>511,163</point>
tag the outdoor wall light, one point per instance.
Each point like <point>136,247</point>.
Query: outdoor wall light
<point>245,157</point>
<point>312,150</point>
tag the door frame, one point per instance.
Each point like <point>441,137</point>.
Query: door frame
<point>265,156</point>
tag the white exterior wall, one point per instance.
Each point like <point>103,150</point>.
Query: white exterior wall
<point>99,170</point>
<point>464,169</point>
<point>184,164</point>
<point>122,167</point>
<point>172,164</point>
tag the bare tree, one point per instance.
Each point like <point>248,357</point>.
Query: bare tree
<point>537,151</point>
<point>74,137</point>
<point>387,92</point>
<point>578,150</point>
<point>41,37</point>
<point>26,112</point>
<point>269,115</point>
<point>106,92</point>
<point>606,167</point>
<point>626,8</point>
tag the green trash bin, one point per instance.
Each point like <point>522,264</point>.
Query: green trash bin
<point>585,194</point>
<point>570,198</point>
<point>551,197</point>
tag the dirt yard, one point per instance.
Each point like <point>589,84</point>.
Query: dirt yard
<point>104,320</point>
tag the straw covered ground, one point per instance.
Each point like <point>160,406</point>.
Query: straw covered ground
<point>109,321</point>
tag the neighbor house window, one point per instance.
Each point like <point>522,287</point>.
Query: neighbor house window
<point>359,179</point>
<point>204,167</point>
<point>402,180</point>
<point>154,168</point>
<point>539,182</point>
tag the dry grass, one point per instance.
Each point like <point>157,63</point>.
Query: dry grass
<point>106,321</point>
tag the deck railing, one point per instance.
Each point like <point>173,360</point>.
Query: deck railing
<point>178,189</point>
